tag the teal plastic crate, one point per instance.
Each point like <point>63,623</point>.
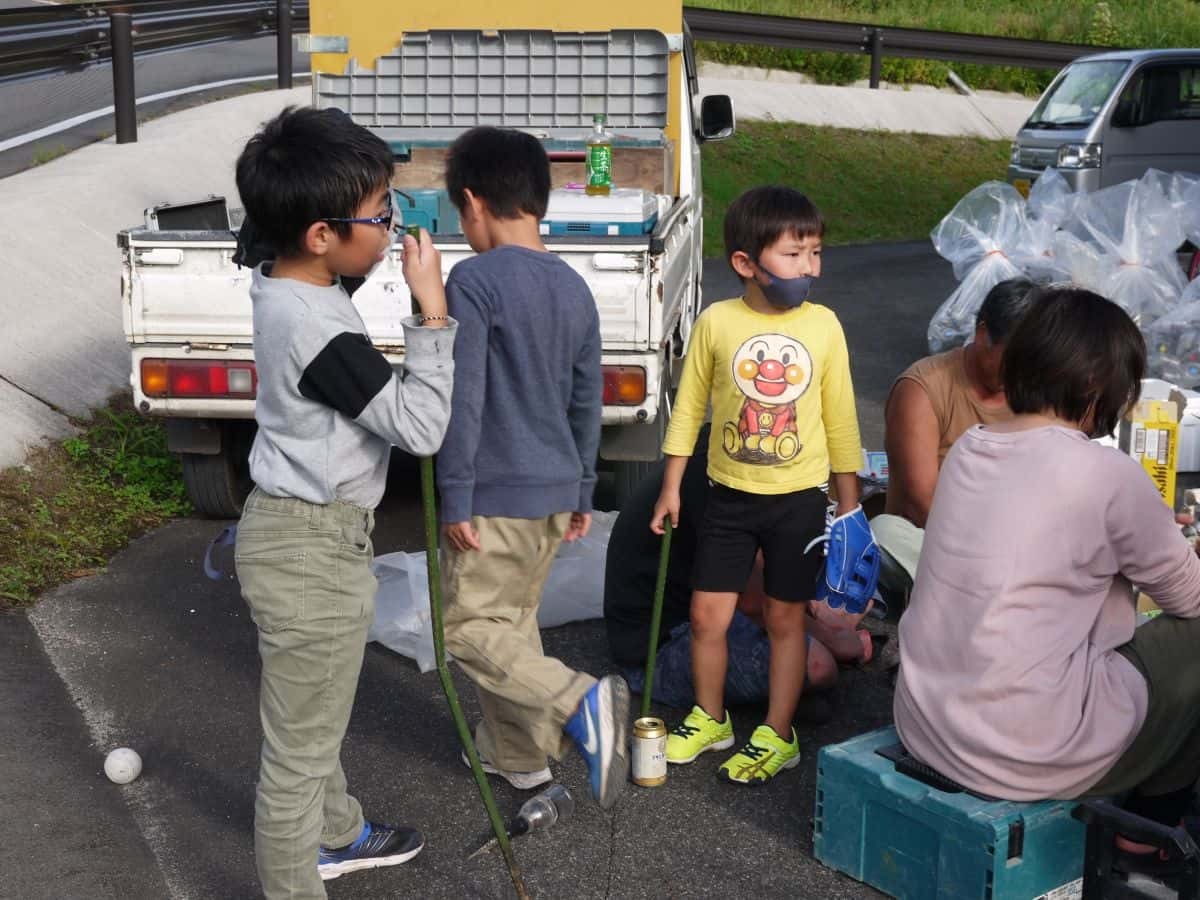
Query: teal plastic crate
<point>914,841</point>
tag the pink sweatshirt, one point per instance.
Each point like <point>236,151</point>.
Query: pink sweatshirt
<point>1009,680</point>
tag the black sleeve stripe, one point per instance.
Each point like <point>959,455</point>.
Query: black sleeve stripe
<point>346,374</point>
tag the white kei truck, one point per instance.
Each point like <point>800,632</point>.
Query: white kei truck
<point>418,75</point>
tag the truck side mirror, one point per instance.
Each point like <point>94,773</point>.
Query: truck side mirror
<point>716,118</point>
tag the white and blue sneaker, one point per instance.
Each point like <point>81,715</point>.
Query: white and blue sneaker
<point>375,846</point>
<point>598,728</point>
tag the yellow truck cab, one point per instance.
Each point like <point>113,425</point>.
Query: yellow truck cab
<point>418,75</point>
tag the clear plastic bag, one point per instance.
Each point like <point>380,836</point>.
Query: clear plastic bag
<point>402,621</point>
<point>1136,229</point>
<point>1185,195</point>
<point>1173,342</point>
<point>1051,203</point>
<point>574,591</point>
<point>980,237</point>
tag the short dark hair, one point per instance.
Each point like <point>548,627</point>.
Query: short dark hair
<point>304,165</point>
<point>762,215</point>
<point>1072,354</point>
<point>1003,308</point>
<point>506,169</point>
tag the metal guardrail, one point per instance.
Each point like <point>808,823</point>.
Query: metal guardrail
<point>49,40</point>
<point>37,41</point>
<point>879,40</point>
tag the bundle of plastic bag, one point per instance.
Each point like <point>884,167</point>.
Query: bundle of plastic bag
<point>1136,229</point>
<point>1173,342</point>
<point>1051,204</point>
<point>1185,196</point>
<point>1082,262</point>
<point>980,237</point>
<point>574,591</point>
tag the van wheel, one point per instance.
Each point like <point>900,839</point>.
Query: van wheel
<point>218,483</point>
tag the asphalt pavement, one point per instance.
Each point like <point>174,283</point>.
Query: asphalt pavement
<point>152,655</point>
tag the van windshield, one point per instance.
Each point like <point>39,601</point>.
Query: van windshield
<point>1076,97</point>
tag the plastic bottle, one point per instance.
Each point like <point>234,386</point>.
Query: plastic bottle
<point>544,810</point>
<point>599,160</point>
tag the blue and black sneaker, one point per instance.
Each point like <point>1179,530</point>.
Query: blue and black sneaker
<point>376,845</point>
<point>598,728</point>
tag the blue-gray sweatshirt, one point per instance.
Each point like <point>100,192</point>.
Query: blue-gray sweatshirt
<point>525,420</point>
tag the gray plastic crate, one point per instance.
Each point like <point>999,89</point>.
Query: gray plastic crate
<point>512,78</point>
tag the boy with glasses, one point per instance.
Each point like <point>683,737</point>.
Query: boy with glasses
<point>329,410</point>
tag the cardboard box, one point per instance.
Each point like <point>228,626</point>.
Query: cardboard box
<point>1146,605</point>
<point>875,465</point>
<point>1150,434</point>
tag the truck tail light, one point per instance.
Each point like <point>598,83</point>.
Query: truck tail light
<point>624,385</point>
<point>199,378</point>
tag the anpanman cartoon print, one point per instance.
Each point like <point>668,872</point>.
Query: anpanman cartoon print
<point>772,371</point>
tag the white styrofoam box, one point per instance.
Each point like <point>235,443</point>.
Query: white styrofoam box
<point>619,205</point>
<point>1188,455</point>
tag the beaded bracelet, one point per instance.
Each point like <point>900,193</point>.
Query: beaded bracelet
<point>425,319</point>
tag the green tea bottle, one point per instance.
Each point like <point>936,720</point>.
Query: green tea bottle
<point>599,159</point>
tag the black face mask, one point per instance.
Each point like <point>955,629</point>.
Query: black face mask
<point>785,293</point>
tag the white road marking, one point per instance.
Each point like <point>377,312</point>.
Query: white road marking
<point>108,110</point>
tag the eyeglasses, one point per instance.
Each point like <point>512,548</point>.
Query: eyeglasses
<point>388,219</point>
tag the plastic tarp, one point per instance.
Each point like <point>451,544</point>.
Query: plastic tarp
<point>981,237</point>
<point>574,591</point>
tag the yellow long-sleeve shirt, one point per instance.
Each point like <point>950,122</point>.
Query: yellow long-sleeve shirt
<point>782,399</point>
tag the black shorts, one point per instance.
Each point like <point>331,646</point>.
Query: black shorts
<point>737,525</point>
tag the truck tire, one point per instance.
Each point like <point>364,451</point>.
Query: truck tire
<point>218,483</point>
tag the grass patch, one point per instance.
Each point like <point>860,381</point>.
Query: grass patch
<point>1104,23</point>
<point>43,155</point>
<point>75,502</point>
<point>869,185</point>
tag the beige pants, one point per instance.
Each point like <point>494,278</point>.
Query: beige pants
<point>901,542</point>
<point>305,572</point>
<point>491,603</point>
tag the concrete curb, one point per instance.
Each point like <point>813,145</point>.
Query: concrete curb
<point>63,351</point>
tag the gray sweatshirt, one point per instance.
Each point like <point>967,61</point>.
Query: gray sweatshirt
<point>329,405</point>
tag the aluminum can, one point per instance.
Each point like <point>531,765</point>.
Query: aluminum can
<point>649,752</point>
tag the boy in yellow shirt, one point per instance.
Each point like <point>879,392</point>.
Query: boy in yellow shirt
<point>776,370</point>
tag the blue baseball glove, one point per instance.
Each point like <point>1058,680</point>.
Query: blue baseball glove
<point>851,562</point>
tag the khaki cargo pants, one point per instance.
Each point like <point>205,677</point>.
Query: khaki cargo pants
<point>491,604</point>
<point>305,572</point>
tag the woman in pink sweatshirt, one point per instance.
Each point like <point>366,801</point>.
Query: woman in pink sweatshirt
<point>1021,673</point>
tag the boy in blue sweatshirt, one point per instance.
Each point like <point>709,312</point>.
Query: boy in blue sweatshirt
<point>517,469</point>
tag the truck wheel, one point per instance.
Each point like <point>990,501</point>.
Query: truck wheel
<point>627,474</point>
<point>218,483</point>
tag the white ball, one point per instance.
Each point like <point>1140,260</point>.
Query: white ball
<point>122,765</point>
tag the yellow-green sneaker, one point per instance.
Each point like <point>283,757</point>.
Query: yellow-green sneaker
<point>765,755</point>
<point>697,734</point>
